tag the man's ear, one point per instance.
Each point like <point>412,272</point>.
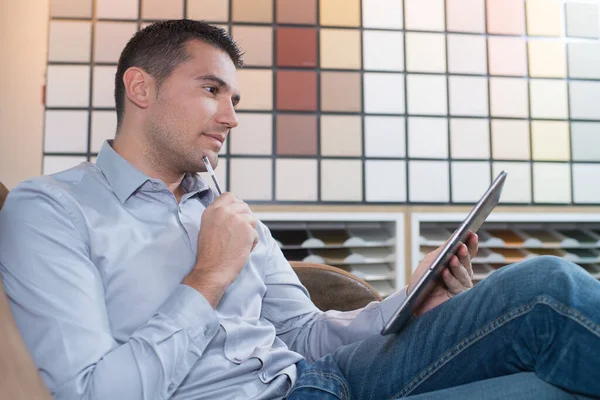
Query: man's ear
<point>139,86</point>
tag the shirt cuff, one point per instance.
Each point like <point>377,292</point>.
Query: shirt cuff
<point>193,313</point>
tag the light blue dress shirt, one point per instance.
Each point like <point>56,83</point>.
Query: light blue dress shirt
<point>92,260</point>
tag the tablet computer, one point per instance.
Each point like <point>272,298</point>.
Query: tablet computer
<point>433,274</point>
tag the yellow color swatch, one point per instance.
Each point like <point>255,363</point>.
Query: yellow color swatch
<point>547,59</point>
<point>340,12</point>
<point>550,140</point>
<point>544,17</point>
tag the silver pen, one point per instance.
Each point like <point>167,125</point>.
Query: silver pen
<point>211,172</point>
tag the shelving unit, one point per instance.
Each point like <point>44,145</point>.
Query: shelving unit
<point>506,238</point>
<point>368,245</point>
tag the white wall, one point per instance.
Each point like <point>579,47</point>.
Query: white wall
<point>23,47</point>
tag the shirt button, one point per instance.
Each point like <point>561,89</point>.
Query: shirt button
<point>264,376</point>
<point>154,185</point>
<point>171,387</point>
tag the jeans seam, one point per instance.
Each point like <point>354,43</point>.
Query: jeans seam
<point>492,326</point>
<point>344,387</point>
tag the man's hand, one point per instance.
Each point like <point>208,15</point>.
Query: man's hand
<point>227,236</point>
<point>457,278</point>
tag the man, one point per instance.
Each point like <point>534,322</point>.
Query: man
<point>129,278</point>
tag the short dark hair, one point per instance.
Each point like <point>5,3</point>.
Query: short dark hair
<point>159,48</point>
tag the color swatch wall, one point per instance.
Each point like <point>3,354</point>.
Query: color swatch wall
<point>366,101</point>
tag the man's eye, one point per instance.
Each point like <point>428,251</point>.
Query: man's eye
<point>211,89</point>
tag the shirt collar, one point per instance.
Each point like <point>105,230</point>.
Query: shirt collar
<point>122,177</point>
<point>125,179</point>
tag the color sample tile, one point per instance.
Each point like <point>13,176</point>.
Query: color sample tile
<point>70,41</point>
<point>584,98</point>
<point>66,131</point>
<point>426,15</point>
<point>547,58</point>
<point>505,17</point>
<point>256,42</point>
<point>582,19</point>
<point>509,97</point>
<point>296,135</point>
<point>385,136</point>
<point>585,140</point>
<point>388,101</point>
<point>468,96</point>
<point>432,60</point>
<point>110,38</point>
<point>251,178</point>
<point>252,11</point>
<point>584,60</point>
<point>551,183</point>
<point>383,51</point>
<point>297,12</point>
<point>469,138</point>
<point>510,140</point>
<point>297,47</point>
<point>382,14</point>
<point>256,87</point>
<point>428,181</point>
<point>385,180</point>
<point>517,189</point>
<point>583,191</point>
<point>331,13</point>
<point>209,10</point>
<point>467,54</point>
<point>289,172</point>
<point>340,48</point>
<point>427,137</point>
<point>160,10</point>
<point>68,86</point>
<point>465,16</point>
<point>427,95</point>
<point>548,98</point>
<point>341,91</point>
<point>507,55</point>
<point>103,87</point>
<point>297,90</point>
<point>341,135</point>
<point>469,180</point>
<point>104,127</point>
<point>550,140</point>
<point>71,8</point>
<point>253,135</point>
<point>341,180</point>
<point>544,17</point>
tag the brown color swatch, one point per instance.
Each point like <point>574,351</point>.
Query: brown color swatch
<point>296,47</point>
<point>297,11</point>
<point>297,90</point>
<point>296,135</point>
<point>341,91</point>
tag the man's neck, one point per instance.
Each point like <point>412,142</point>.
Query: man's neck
<point>139,154</point>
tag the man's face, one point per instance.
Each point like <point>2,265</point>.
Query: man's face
<point>194,110</point>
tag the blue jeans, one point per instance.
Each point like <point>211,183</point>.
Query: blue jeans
<point>540,315</point>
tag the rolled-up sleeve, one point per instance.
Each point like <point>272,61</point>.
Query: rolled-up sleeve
<point>302,326</point>
<point>57,297</point>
